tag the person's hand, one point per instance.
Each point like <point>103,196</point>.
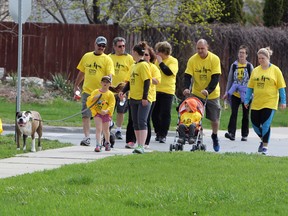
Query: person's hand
<point>144,102</point>
<point>282,106</point>
<point>225,96</point>
<point>104,112</point>
<point>205,92</point>
<point>246,106</point>
<point>159,58</point>
<point>120,94</point>
<point>186,92</point>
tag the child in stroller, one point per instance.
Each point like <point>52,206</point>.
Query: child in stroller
<point>189,128</point>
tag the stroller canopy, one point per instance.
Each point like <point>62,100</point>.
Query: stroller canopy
<point>193,103</point>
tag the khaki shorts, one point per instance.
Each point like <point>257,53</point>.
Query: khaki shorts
<point>87,112</point>
<point>212,108</point>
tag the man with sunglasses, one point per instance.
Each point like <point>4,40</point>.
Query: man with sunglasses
<point>92,67</point>
<point>122,63</point>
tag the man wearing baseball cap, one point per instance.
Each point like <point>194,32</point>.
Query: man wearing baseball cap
<point>92,67</point>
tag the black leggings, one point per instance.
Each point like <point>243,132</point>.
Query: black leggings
<point>261,122</point>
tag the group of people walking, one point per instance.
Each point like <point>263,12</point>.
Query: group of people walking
<point>148,80</point>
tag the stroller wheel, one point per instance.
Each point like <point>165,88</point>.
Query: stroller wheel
<point>171,147</point>
<point>176,147</point>
<point>181,147</point>
<point>194,148</point>
<point>203,147</point>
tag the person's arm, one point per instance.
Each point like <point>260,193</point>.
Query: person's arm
<point>79,79</point>
<point>230,79</point>
<point>165,69</point>
<point>282,95</point>
<point>187,84</point>
<point>248,96</point>
<point>146,89</point>
<point>213,83</point>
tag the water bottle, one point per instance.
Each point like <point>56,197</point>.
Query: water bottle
<point>225,104</point>
<point>122,102</point>
<point>77,95</point>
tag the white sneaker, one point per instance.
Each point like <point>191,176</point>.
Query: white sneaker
<point>146,146</point>
<point>85,142</point>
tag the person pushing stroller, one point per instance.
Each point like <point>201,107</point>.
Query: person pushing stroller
<point>190,119</point>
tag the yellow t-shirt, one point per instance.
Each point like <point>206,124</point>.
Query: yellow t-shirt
<point>188,118</point>
<point>106,102</point>
<point>122,65</point>
<point>167,84</point>
<point>94,68</point>
<point>266,85</point>
<point>240,76</point>
<point>155,73</point>
<point>140,72</point>
<point>201,70</point>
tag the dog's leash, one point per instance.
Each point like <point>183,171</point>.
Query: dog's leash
<point>58,120</point>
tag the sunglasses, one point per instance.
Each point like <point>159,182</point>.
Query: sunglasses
<point>101,45</point>
<point>146,54</point>
<point>120,46</point>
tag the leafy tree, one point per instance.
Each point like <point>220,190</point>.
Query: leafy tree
<point>285,12</point>
<point>272,13</point>
<point>233,11</point>
<point>254,12</point>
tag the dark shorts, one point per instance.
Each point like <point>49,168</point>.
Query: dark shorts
<point>212,109</point>
<point>119,108</point>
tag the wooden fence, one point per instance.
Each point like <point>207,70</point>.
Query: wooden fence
<point>50,48</point>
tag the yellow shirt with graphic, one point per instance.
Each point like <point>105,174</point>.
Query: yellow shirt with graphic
<point>188,118</point>
<point>94,68</point>
<point>155,73</point>
<point>140,72</point>
<point>240,76</point>
<point>266,85</point>
<point>167,84</point>
<point>106,102</point>
<point>122,65</point>
<point>201,70</point>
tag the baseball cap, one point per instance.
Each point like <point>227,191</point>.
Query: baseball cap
<point>106,78</point>
<point>101,40</point>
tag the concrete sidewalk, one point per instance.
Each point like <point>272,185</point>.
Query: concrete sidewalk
<point>55,158</point>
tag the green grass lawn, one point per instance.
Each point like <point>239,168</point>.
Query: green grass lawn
<point>59,109</point>
<point>158,183</point>
<point>177,183</point>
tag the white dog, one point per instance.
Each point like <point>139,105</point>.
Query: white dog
<point>28,124</point>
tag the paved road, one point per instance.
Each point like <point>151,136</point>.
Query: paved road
<point>51,159</point>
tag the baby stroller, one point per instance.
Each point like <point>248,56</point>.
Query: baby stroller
<point>198,134</point>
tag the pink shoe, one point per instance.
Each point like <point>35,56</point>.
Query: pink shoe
<point>130,145</point>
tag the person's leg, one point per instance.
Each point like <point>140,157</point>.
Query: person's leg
<point>86,115</point>
<point>182,133</point>
<point>98,125</point>
<point>235,102</point>
<point>156,121</point>
<point>106,133</point>
<point>149,124</point>
<point>192,129</point>
<point>213,112</point>
<point>121,110</point>
<point>267,117</point>
<point>165,116</point>
<point>130,134</point>
<point>245,121</point>
<point>139,117</point>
